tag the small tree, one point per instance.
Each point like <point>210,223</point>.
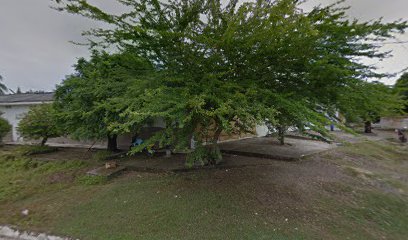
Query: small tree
<point>401,88</point>
<point>5,127</point>
<point>368,102</point>
<point>39,123</point>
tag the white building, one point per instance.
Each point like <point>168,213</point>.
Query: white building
<point>400,122</point>
<point>14,107</point>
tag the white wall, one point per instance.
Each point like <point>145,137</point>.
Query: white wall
<point>13,114</point>
<point>393,123</point>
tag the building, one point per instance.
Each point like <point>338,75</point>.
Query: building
<point>13,108</point>
<point>400,122</point>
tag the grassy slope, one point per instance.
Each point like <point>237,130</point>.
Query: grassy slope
<point>158,208</point>
<point>355,192</point>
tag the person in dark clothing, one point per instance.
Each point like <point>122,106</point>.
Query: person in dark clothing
<point>401,136</point>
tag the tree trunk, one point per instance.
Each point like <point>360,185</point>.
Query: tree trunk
<point>281,135</point>
<point>216,135</point>
<point>214,142</point>
<point>43,141</point>
<point>214,150</point>
<point>368,127</point>
<point>112,143</point>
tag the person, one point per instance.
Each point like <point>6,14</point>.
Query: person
<point>401,136</point>
<point>367,127</point>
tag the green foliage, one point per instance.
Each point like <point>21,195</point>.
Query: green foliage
<point>90,100</point>
<point>5,128</point>
<point>401,88</point>
<point>204,155</point>
<point>369,102</point>
<point>40,123</point>
<point>227,67</point>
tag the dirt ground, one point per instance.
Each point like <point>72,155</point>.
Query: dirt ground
<point>317,192</point>
<point>294,150</point>
<point>269,147</point>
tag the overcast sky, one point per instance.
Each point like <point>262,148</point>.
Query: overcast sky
<point>35,52</point>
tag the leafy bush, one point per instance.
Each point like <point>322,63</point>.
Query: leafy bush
<point>40,123</point>
<point>204,155</point>
<point>5,127</point>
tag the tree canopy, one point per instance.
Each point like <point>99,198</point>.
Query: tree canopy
<point>401,87</point>
<point>89,100</point>
<point>226,67</point>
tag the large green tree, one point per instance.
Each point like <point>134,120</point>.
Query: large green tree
<point>90,100</point>
<point>309,60</point>
<point>226,67</point>
<point>194,91</point>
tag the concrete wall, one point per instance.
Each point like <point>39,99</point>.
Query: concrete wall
<point>13,114</point>
<point>394,122</point>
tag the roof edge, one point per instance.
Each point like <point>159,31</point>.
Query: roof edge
<point>23,103</point>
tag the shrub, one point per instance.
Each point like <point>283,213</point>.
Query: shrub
<point>204,155</point>
<point>35,149</point>
<point>5,127</point>
<point>40,123</point>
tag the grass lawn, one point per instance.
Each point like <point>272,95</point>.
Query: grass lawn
<point>354,192</point>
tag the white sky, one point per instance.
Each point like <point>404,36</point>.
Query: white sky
<point>35,52</point>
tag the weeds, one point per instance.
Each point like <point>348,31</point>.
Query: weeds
<point>101,156</point>
<point>89,180</point>
<point>20,175</point>
<point>35,149</point>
